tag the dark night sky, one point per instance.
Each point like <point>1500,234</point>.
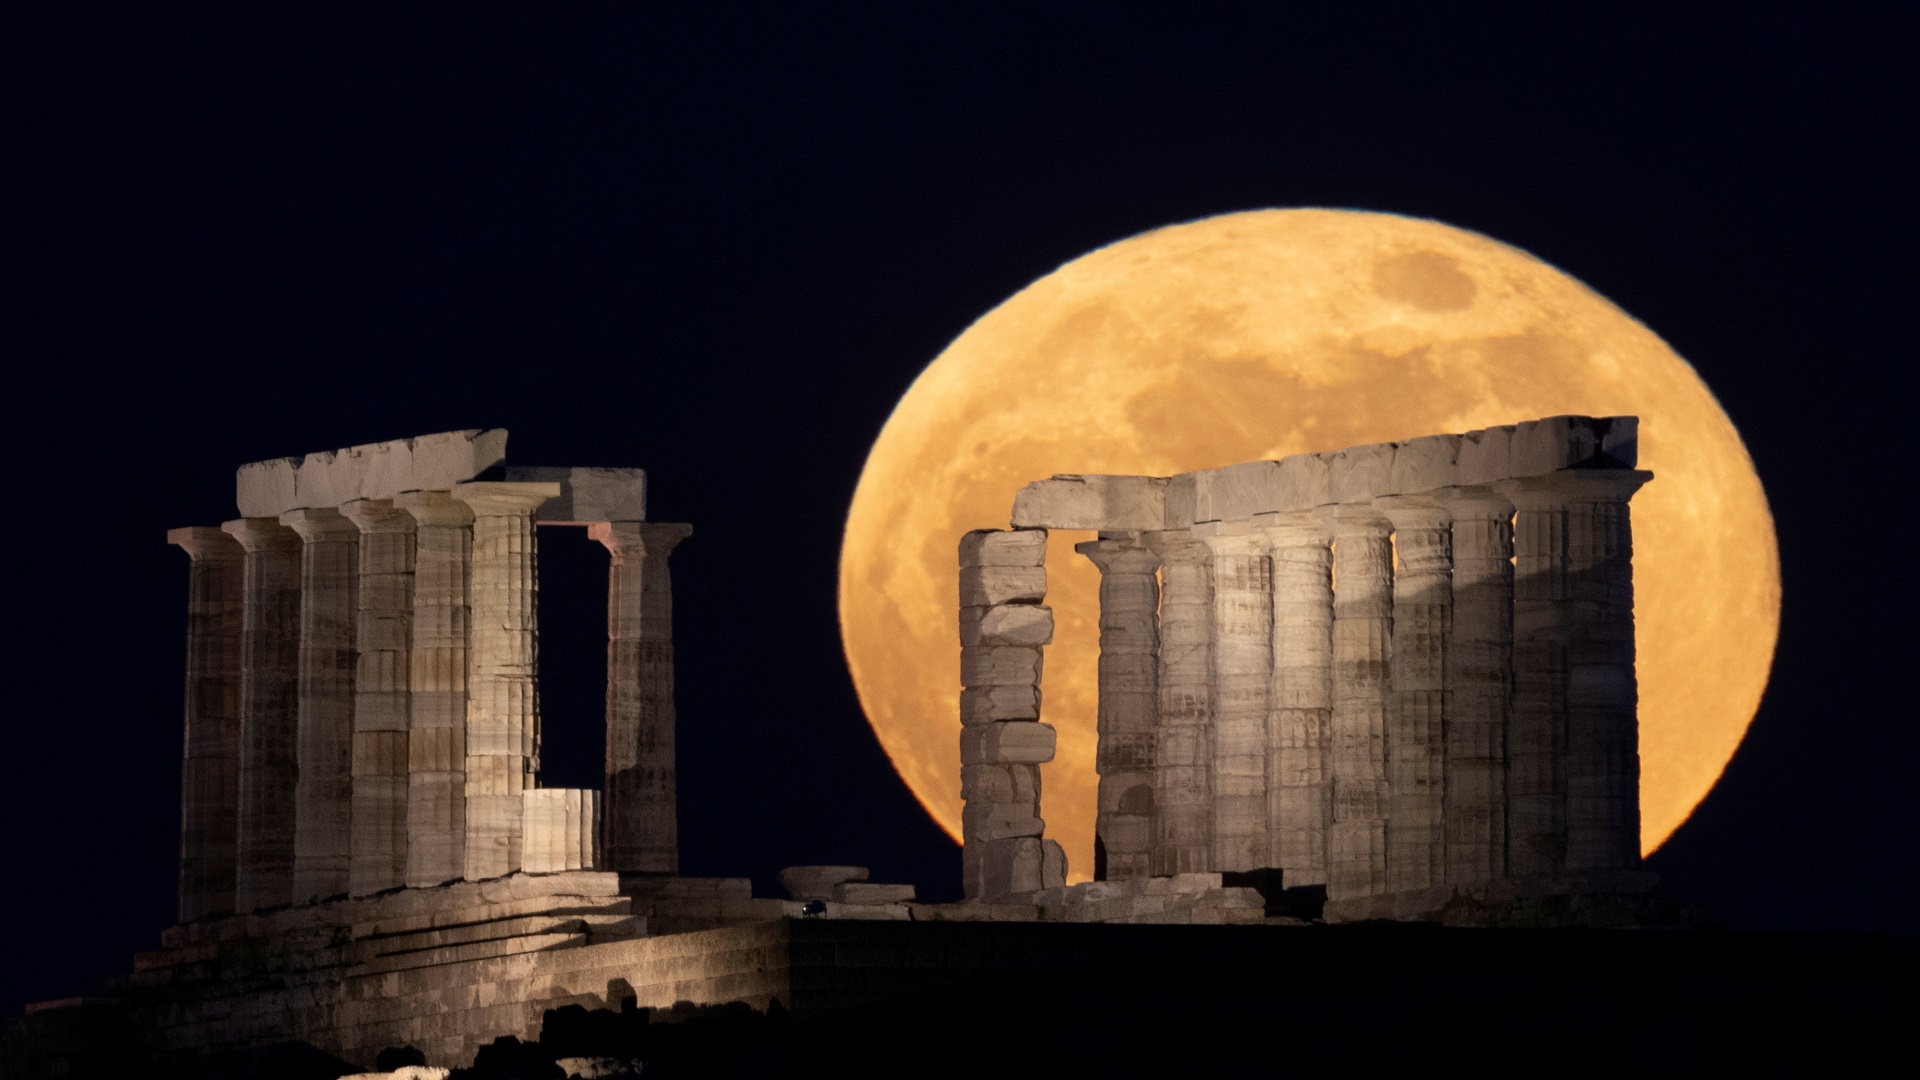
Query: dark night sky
<point>720,245</point>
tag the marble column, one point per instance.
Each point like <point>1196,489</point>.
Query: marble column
<point>1300,714</point>
<point>1479,685</point>
<point>1537,730</point>
<point>1603,758</point>
<point>437,688</point>
<point>1362,689</point>
<point>1416,722</point>
<point>210,753</point>
<point>641,817</point>
<point>1182,825</point>
<point>323,794</point>
<point>503,709</point>
<point>269,712</point>
<point>1129,704</point>
<point>1242,678</point>
<point>1003,628</point>
<point>383,641</point>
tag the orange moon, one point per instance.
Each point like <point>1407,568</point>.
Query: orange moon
<point>1276,332</point>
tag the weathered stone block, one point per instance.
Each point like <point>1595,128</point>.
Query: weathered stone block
<point>1557,442</point>
<point>1100,503</point>
<point>1007,624</point>
<point>1004,547</point>
<point>1424,464</point>
<point>998,821</point>
<point>1000,783</point>
<point>1015,742</point>
<point>985,586</point>
<point>1359,473</point>
<point>1236,491</point>
<point>1182,494</point>
<point>986,704</point>
<point>999,665</point>
<point>1619,441</point>
<point>818,882</point>
<point>1483,456</point>
<point>587,495</point>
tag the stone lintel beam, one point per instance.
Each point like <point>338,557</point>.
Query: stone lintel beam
<point>1099,503</point>
<point>210,750</point>
<point>588,495</point>
<point>371,471</point>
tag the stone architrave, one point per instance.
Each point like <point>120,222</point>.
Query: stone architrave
<point>1182,838</point>
<point>269,711</point>
<point>1003,627</point>
<point>1242,677</point>
<point>210,753</point>
<point>1362,691</point>
<point>1479,685</point>
<point>381,709</point>
<point>1537,729</point>
<point>503,719</point>
<point>437,688</point>
<point>641,827</point>
<point>1417,719</point>
<point>323,793</point>
<point>1300,713</point>
<point>1129,704</point>
<point>1602,758</point>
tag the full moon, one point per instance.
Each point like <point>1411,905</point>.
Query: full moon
<point>1276,332</point>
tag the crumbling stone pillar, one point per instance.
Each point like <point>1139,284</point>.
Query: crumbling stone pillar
<point>1416,731</point>
<point>210,752</point>
<point>1182,836</point>
<point>1603,758</point>
<point>1242,677</point>
<point>437,685</point>
<point>1479,685</point>
<point>1300,713</point>
<point>383,642</point>
<point>269,711</point>
<point>640,808</point>
<point>1537,731</point>
<point>1003,626</point>
<point>1362,655</point>
<point>323,794</point>
<point>1129,704</point>
<point>503,709</point>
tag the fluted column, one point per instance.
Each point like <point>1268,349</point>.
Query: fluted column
<point>323,794</point>
<point>503,710</point>
<point>1182,825</point>
<point>437,685</point>
<point>1300,713</point>
<point>1603,756</point>
<point>1537,731</point>
<point>1479,685</point>
<point>269,712</point>
<point>1129,704</point>
<point>210,752</point>
<point>1242,677</point>
<point>1362,686</point>
<point>640,807</point>
<point>1416,724</point>
<point>383,640</point>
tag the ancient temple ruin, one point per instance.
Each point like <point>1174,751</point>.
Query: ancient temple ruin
<point>1394,677</point>
<point>362,705</point>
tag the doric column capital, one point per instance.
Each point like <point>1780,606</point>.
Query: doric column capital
<point>1126,555</point>
<point>627,539</point>
<point>316,524</point>
<point>1354,519</point>
<point>261,533</point>
<point>1293,528</point>
<point>1231,537</point>
<point>505,498</point>
<point>377,516</point>
<point>1572,486</point>
<point>1474,503</point>
<point>1408,512</point>
<point>203,542</point>
<point>434,508</point>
